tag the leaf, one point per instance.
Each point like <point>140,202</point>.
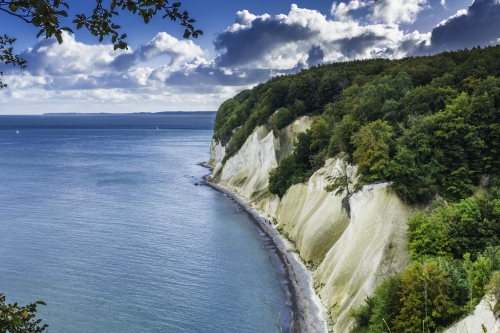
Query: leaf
<point>187,33</point>
<point>14,7</point>
<point>59,37</point>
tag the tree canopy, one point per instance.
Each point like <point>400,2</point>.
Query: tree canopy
<point>430,125</point>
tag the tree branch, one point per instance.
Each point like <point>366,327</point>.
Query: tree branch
<point>22,17</point>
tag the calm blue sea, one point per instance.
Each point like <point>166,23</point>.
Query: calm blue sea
<point>101,218</point>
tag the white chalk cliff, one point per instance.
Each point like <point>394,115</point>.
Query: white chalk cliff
<point>348,257</point>
<point>482,318</point>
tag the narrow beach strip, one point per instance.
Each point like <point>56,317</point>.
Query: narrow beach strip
<point>309,315</point>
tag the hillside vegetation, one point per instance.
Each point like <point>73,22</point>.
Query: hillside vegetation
<point>429,125</point>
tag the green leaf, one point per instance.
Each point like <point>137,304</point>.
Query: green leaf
<point>187,33</point>
<point>59,37</point>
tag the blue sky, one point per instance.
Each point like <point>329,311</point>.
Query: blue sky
<point>244,43</point>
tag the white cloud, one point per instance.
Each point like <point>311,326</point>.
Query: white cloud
<point>164,44</point>
<point>397,11</point>
<point>381,11</point>
<point>47,57</point>
<point>343,11</point>
<point>295,35</point>
<point>460,12</point>
<point>250,51</point>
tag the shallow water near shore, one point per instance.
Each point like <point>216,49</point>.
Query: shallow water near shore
<point>102,219</point>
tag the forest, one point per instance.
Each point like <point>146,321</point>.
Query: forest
<point>428,125</point>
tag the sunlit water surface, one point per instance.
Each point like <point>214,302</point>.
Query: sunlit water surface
<point>100,217</point>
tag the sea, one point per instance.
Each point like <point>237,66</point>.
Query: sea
<point>107,220</point>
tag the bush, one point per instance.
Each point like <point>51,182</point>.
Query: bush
<point>293,169</point>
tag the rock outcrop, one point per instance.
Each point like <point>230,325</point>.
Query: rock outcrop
<point>482,318</point>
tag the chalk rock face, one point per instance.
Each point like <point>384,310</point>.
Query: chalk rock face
<point>352,255</point>
<point>483,316</point>
<point>312,217</point>
<point>217,153</point>
<point>247,172</point>
<point>372,247</point>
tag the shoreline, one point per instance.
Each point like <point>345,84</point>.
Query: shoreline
<point>308,313</point>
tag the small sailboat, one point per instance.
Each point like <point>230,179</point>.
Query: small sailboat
<point>17,131</point>
<point>156,127</point>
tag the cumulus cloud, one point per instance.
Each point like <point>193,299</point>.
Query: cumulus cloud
<point>344,12</point>
<point>397,11</point>
<point>162,44</point>
<point>47,57</point>
<point>476,25</point>
<point>304,37</point>
<point>253,49</point>
<point>380,11</point>
<point>70,58</point>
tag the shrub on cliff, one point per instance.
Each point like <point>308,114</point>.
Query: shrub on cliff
<point>294,168</point>
<point>468,226</point>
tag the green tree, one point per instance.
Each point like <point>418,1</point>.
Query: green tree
<point>428,237</point>
<point>482,274</point>
<point>494,288</point>
<point>362,315</point>
<point>283,117</point>
<point>372,144</point>
<point>424,297</point>
<point>294,168</point>
<point>8,57</point>
<point>386,305</point>
<point>15,318</point>
<point>320,134</point>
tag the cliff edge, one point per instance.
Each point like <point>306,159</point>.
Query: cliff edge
<point>347,257</point>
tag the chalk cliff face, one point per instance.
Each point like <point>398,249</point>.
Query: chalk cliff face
<point>348,257</point>
<point>483,316</point>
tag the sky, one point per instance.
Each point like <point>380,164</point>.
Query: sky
<point>244,43</point>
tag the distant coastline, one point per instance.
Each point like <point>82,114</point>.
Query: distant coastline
<point>107,114</point>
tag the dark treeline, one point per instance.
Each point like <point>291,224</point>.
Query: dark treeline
<point>429,125</point>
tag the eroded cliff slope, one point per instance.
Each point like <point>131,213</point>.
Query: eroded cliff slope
<point>348,257</point>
